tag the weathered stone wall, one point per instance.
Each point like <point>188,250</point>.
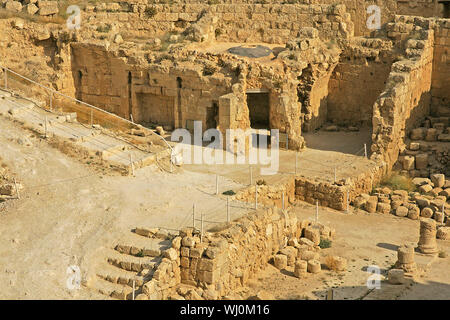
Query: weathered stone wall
<point>335,196</point>
<point>270,23</point>
<point>226,260</point>
<point>162,94</point>
<point>440,86</point>
<point>422,8</point>
<point>318,101</point>
<point>271,195</point>
<point>332,195</point>
<point>406,99</point>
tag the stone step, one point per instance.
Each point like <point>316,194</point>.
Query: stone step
<point>119,276</point>
<point>131,263</point>
<point>113,290</point>
<point>135,245</point>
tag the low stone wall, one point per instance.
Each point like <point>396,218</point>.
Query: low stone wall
<point>335,195</point>
<point>271,195</point>
<point>226,260</point>
<point>327,194</point>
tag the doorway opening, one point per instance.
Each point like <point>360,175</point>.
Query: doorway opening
<point>259,109</point>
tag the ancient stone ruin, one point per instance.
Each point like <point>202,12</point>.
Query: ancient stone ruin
<point>365,92</point>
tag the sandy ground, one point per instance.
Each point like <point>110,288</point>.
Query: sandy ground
<point>315,164</point>
<point>364,240</point>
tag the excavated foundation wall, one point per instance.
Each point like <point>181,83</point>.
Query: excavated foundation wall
<point>327,194</point>
<point>354,86</point>
<point>168,96</point>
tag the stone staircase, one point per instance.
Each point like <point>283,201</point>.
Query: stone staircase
<point>134,259</point>
<point>110,150</point>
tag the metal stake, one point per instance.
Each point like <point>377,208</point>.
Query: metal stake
<point>317,211</point>
<point>228,209</point>
<point>17,189</point>
<point>296,155</point>
<point>256,196</point>
<point>193,216</point>
<point>217,184</point>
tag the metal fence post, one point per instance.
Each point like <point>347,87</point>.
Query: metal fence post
<point>256,196</point>
<point>201,226</point>
<point>217,184</point>
<point>131,164</point>
<point>317,210</point>
<point>17,189</point>
<point>45,127</point>
<point>348,198</point>
<point>193,216</point>
<point>228,209</point>
<point>296,155</point>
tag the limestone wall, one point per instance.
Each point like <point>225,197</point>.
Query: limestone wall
<point>335,195</point>
<point>357,81</point>
<point>162,94</point>
<point>271,195</point>
<point>406,99</point>
<point>270,23</point>
<point>227,259</point>
<point>440,90</point>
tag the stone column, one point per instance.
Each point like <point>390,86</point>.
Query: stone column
<point>427,241</point>
<point>405,256</point>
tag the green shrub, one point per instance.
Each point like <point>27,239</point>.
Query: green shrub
<point>261,182</point>
<point>398,182</point>
<point>325,243</point>
<point>229,193</point>
<point>104,29</point>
